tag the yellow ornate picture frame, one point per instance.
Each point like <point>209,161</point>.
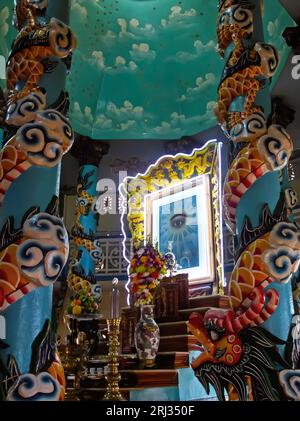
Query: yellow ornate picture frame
<point>167,172</point>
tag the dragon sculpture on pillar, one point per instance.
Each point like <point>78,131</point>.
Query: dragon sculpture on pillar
<point>239,357</point>
<point>235,347</point>
<point>33,255</point>
<point>36,42</point>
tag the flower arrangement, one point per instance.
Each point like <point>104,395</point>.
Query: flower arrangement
<point>84,302</point>
<point>147,267</point>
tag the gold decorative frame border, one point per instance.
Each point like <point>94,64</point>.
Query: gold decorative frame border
<point>168,171</point>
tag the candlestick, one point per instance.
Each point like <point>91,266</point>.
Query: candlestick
<point>113,377</point>
<point>115,300</point>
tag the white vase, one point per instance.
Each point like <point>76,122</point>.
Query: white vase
<point>147,336</point>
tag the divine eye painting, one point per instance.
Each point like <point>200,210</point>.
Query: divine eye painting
<point>180,217</point>
<point>178,227</point>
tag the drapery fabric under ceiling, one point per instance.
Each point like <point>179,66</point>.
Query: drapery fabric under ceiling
<point>146,68</point>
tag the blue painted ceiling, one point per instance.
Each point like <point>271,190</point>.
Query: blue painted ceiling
<point>146,68</point>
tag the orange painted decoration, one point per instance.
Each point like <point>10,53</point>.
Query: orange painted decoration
<point>244,81</point>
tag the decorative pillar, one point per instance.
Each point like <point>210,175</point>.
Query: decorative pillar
<point>34,242</point>
<point>242,343</point>
<point>254,189</point>
<point>85,253</point>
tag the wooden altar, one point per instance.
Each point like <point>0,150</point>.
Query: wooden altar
<point>173,304</point>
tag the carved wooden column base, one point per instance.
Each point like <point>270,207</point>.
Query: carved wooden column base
<point>172,295</point>
<point>128,323</point>
<point>183,290</point>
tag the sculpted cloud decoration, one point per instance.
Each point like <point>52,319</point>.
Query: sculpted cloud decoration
<point>30,387</point>
<point>32,256</point>
<point>241,356</point>
<point>42,137</point>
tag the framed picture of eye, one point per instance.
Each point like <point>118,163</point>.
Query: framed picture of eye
<point>181,216</point>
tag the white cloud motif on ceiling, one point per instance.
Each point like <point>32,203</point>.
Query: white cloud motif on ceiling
<point>4,27</point>
<point>177,16</point>
<point>179,121</point>
<point>4,15</point>
<point>147,69</point>
<point>79,11</point>
<point>133,30</point>
<point>120,65</point>
<point>140,52</point>
<point>201,85</point>
<point>274,34</point>
<point>200,49</point>
<point>85,117</point>
<point>109,39</point>
<point>127,111</point>
<point>113,117</point>
<point>147,31</point>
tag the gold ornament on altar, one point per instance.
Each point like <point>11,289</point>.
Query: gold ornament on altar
<point>113,377</point>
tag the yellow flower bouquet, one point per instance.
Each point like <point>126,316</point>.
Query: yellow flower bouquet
<point>147,267</point>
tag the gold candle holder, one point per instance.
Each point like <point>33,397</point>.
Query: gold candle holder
<point>113,376</point>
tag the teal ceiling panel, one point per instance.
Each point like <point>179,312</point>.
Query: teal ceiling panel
<point>146,68</point>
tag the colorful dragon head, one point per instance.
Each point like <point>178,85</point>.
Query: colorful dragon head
<point>233,342</point>
<point>215,332</point>
<point>230,359</point>
<point>235,20</point>
<point>26,12</point>
<point>218,330</point>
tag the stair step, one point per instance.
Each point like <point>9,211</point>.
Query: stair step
<point>217,301</point>
<point>186,312</point>
<point>176,343</point>
<point>172,359</point>
<point>172,328</point>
